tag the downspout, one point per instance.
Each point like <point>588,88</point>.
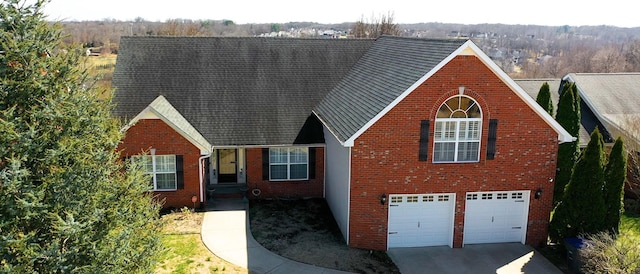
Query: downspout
<point>200,171</point>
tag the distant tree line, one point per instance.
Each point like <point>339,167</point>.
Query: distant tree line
<point>523,51</point>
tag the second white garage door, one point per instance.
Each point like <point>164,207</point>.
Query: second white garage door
<point>496,217</point>
<point>421,220</point>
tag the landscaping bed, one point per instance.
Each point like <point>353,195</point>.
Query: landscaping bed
<point>304,230</point>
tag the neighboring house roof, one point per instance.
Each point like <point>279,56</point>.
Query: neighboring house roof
<point>532,87</point>
<point>389,72</point>
<point>613,97</point>
<point>235,90</point>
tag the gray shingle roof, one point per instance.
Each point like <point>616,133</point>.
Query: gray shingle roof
<point>234,91</point>
<point>613,97</point>
<point>387,70</point>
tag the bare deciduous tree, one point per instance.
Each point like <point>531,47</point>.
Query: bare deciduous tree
<point>376,27</point>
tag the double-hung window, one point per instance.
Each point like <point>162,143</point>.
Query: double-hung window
<point>162,169</point>
<point>458,130</point>
<point>288,163</point>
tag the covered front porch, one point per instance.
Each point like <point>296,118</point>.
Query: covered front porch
<point>226,173</point>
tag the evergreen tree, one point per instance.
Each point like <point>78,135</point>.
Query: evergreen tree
<point>615,175</point>
<point>67,203</point>
<point>582,208</point>
<point>568,116</point>
<point>544,98</point>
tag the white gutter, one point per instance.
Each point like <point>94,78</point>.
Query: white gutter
<point>200,171</point>
<point>349,198</point>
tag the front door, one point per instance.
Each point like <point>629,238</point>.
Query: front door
<point>227,165</point>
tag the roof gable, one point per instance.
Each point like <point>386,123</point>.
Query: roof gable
<point>389,72</point>
<point>161,109</point>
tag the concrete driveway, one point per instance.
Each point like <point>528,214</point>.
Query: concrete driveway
<point>485,258</point>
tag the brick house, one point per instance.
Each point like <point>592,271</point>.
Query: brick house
<point>412,142</point>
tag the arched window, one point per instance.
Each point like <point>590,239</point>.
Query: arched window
<point>458,130</point>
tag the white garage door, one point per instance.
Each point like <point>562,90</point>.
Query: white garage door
<point>421,220</point>
<point>496,217</point>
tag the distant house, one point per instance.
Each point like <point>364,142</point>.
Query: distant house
<point>613,98</point>
<point>412,142</point>
<point>608,102</point>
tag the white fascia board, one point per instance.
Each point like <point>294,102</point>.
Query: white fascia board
<point>266,146</point>
<point>328,128</point>
<point>563,135</point>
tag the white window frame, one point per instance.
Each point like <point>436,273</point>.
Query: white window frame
<point>154,172</point>
<point>456,131</point>
<point>288,164</point>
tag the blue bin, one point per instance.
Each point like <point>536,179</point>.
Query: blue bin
<point>573,246</point>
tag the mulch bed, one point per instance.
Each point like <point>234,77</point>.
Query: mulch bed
<point>304,230</point>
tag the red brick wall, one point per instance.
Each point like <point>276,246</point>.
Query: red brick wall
<point>385,157</point>
<point>283,189</point>
<point>155,133</point>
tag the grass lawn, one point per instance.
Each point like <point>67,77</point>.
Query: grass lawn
<point>630,227</point>
<point>630,236</point>
<point>185,252</point>
<point>100,68</point>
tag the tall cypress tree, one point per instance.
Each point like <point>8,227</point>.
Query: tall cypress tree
<point>582,208</point>
<point>67,205</point>
<point>569,118</point>
<point>615,175</point>
<point>544,98</point>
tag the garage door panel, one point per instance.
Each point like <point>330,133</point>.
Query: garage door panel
<point>420,220</point>
<point>495,217</point>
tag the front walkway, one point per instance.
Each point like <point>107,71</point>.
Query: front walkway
<point>226,232</point>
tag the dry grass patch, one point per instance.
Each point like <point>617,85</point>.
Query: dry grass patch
<point>185,252</point>
<point>100,69</point>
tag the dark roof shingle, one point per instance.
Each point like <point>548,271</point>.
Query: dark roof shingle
<point>235,91</point>
<point>388,69</point>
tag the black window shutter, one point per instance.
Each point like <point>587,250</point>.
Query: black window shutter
<point>265,164</point>
<point>312,163</point>
<point>424,140</point>
<point>491,141</point>
<point>179,172</point>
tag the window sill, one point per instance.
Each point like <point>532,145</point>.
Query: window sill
<point>164,190</point>
<point>290,181</point>
<point>459,162</point>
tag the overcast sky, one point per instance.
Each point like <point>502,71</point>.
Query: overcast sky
<point>529,12</point>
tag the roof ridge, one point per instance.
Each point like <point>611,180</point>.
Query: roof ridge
<point>424,39</point>
<point>244,38</point>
